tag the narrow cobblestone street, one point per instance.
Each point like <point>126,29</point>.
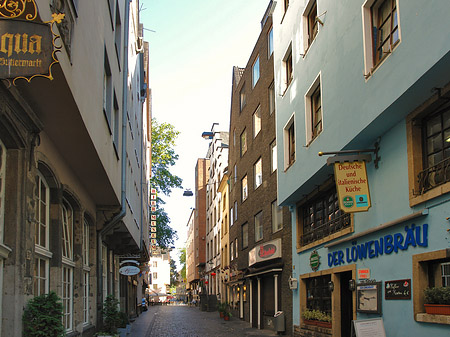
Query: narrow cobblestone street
<point>185,321</point>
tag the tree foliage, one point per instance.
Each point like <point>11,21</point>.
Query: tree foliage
<point>43,316</point>
<point>173,273</point>
<point>163,158</point>
<point>183,263</point>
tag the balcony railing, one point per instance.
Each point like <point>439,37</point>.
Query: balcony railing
<point>434,176</point>
<point>327,228</point>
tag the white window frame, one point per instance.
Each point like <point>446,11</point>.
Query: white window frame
<point>259,228</point>
<point>308,111</point>
<point>244,190</point>
<point>273,156</point>
<point>45,200</point>
<point>256,72</point>
<point>286,128</point>
<point>369,66</point>
<point>305,21</point>
<point>257,173</point>
<point>277,217</point>
<point>85,243</point>
<point>85,297</point>
<point>67,239</point>
<point>67,296</point>
<point>445,273</point>
<point>38,278</point>
<point>257,121</point>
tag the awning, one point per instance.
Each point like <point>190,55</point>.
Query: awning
<point>273,270</point>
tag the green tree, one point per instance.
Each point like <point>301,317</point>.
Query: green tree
<point>163,158</point>
<point>173,273</point>
<point>183,263</point>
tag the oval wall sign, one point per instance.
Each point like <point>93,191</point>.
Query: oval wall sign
<point>266,251</point>
<point>129,270</point>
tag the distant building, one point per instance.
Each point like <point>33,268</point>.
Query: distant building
<point>367,82</point>
<point>260,230</point>
<point>159,286</point>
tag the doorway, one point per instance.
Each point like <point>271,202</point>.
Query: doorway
<point>346,303</point>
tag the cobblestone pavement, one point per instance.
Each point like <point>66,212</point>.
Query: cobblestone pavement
<point>185,321</point>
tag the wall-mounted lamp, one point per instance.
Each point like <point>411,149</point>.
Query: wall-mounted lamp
<point>331,286</point>
<point>188,193</point>
<point>352,285</point>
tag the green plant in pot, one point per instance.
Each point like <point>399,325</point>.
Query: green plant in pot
<point>221,308</point>
<point>111,317</point>
<point>437,300</point>
<point>43,316</point>
<point>317,317</point>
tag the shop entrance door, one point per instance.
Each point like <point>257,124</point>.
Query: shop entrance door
<point>346,303</point>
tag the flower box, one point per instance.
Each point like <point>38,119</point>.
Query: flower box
<point>437,309</point>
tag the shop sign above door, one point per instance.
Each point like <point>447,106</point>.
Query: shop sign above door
<point>352,186</point>
<point>267,251</point>
<point>27,45</point>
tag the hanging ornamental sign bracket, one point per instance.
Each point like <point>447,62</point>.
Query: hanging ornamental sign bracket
<point>28,45</point>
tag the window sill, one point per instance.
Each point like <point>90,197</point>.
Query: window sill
<point>378,65</point>
<point>289,166</point>
<point>438,319</point>
<point>431,194</point>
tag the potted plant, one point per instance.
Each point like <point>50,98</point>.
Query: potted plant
<point>227,314</point>
<point>437,300</point>
<point>317,317</point>
<point>111,317</point>
<point>221,307</point>
<point>43,316</point>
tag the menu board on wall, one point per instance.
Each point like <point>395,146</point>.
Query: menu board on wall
<point>368,328</point>
<point>397,290</point>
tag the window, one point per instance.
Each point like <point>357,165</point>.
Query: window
<point>287,67</point>
<point>118,33</point>
<point>115,125</point>
<point>85,297</point>
<point>107,92</point>
<point>257,171</point>
<point>155,286</point>
<point>243,142</point>
<point>155,275</point>
<point>235,211</point>
<point>310,24</point>
<point>313,108</point>
<point>155,264</point>
<point>432,270</point>
<point>235,174</point>
<point>381,31</point>
<point>242,98</point>
<point>258,227</point>
<point>255,72</point>
<point>40,277</point>
<point>289,143</point>
<point>2,187</point>
<point>318,293</point>
<point>270,43</point>
<point>232,251</point>
<point>236,244</point>
<point>85,243</point>
<point>428,139</point>
<point>273,156</point>
<point>42,195</point>
<point>244,188</point>
<point>104,271</point>
<point>321,216</point>
<point>67,297</point>
<point>256,122</point>
<point>286,5</point>
<point>245,235</point>
<point>271,98</point>
<point>67,223</point>
<point>277,217</point>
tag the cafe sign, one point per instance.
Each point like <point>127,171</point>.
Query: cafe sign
<point>264,252</point>
<point>352,186</point>
<point>27,45</point>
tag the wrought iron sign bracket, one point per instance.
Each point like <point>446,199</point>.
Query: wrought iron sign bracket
<point>353,155</point>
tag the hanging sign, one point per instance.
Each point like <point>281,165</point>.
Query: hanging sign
<point>27,45</point>
<point>352,186</point>
<point>267,251</point>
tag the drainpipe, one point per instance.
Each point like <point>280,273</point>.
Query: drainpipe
<point>123,209</point>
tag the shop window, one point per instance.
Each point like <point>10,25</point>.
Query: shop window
<point>318,293</point>
<point>431,269</point>
<point>320,218</point>
<point>428,135</point>
<point>381,31</point>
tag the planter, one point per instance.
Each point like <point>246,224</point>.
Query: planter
<point>221,314</point>
<point>310,322</point>
<point>437,309</point>
<point>324,324</point>
<point>227,318</point>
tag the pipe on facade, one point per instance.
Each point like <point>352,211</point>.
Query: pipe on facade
<point>123,209</point>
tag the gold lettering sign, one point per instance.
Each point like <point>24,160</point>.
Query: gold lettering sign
<point>25,48</point>
<point>352,186</point>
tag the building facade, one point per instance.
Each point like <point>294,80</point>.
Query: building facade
<point>224,275</point>
<point>159,287</point>
<point>68,159</point>
<point>260,230</point>
<point>369,81</point>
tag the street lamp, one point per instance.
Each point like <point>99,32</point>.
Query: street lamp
<point>188,193</point>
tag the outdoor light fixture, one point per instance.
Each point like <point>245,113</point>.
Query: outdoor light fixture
<point>352,285</point>
<point>331,286</point>
<point>188,193</point>
<point>208,135</point>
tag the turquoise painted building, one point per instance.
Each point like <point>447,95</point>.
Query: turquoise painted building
<point>365,81</point>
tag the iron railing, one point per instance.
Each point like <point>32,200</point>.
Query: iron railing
<point>327,228</point>
<point>434,176</point>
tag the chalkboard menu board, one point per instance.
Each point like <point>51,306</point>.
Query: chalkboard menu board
<point>397,290</point>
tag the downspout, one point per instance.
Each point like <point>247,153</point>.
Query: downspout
<point>123,209</point>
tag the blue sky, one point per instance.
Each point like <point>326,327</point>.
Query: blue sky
<point>192,53</point>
